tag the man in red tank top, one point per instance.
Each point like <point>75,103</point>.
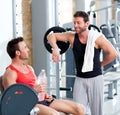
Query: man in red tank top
<point>19,72</point>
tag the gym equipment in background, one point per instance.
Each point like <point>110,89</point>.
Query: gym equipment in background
<point>63,46</point>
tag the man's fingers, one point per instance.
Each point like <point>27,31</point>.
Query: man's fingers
<point>56,58</point>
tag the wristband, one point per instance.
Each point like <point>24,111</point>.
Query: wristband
<point>57,49</point>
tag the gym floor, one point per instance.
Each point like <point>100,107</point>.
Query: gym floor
<point>112,106</point>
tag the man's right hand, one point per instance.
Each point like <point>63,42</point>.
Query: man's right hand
<point>40,87</point>
<point>56,55</point>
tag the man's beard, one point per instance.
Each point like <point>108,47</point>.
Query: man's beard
<point>82,30</point>
<point>23,58</point>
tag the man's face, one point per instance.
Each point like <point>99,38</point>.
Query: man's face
<point>23,50</point>
<point>79,25</point>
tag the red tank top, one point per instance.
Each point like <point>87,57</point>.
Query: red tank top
<point>25,78</point>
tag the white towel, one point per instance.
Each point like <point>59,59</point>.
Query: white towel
<point>89,51</point>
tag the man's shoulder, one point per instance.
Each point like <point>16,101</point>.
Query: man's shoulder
<point>70,33</point>
<point>9,71</point>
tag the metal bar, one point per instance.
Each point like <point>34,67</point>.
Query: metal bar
<point>116,24</point>
<point>14,17</point>
<point>57,81</point>
<point>114,5</point>
<point>56,13</point>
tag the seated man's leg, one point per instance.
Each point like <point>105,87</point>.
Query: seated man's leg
<point>46,110</point>
<point>67,106</point>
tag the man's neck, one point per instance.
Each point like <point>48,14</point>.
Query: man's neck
<point>83,36</point>
<point>18,62</point>
<point>20,65</point>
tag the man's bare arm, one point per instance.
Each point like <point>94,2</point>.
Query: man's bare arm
<point>9,78</point>
<point>108,48</point>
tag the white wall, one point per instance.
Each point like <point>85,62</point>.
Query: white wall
<point>6,32</point>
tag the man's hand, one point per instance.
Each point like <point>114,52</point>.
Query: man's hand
<point>48,97</point>
<point>56,55</point>
<point>40,87</point>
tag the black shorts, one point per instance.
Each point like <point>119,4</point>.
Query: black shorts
<point>44,102</point>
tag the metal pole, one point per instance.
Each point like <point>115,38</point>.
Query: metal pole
<point>14,17</point>
<point>108,23</point>
<point>114,5</point>
<point>58,79</point>
<point>56,12</point>
<point>58,66</point>
<point>117,10</point>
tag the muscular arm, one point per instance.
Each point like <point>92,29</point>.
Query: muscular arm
<point>9,78</point>
<point>53,38</point>
<point>108,48</point>
<point>64,36</point>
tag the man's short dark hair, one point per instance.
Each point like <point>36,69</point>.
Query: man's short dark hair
<point>82,14</point>
<point>12,46</point>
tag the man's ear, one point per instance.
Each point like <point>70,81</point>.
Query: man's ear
<point>17,52</point>
<point>87,23</point>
